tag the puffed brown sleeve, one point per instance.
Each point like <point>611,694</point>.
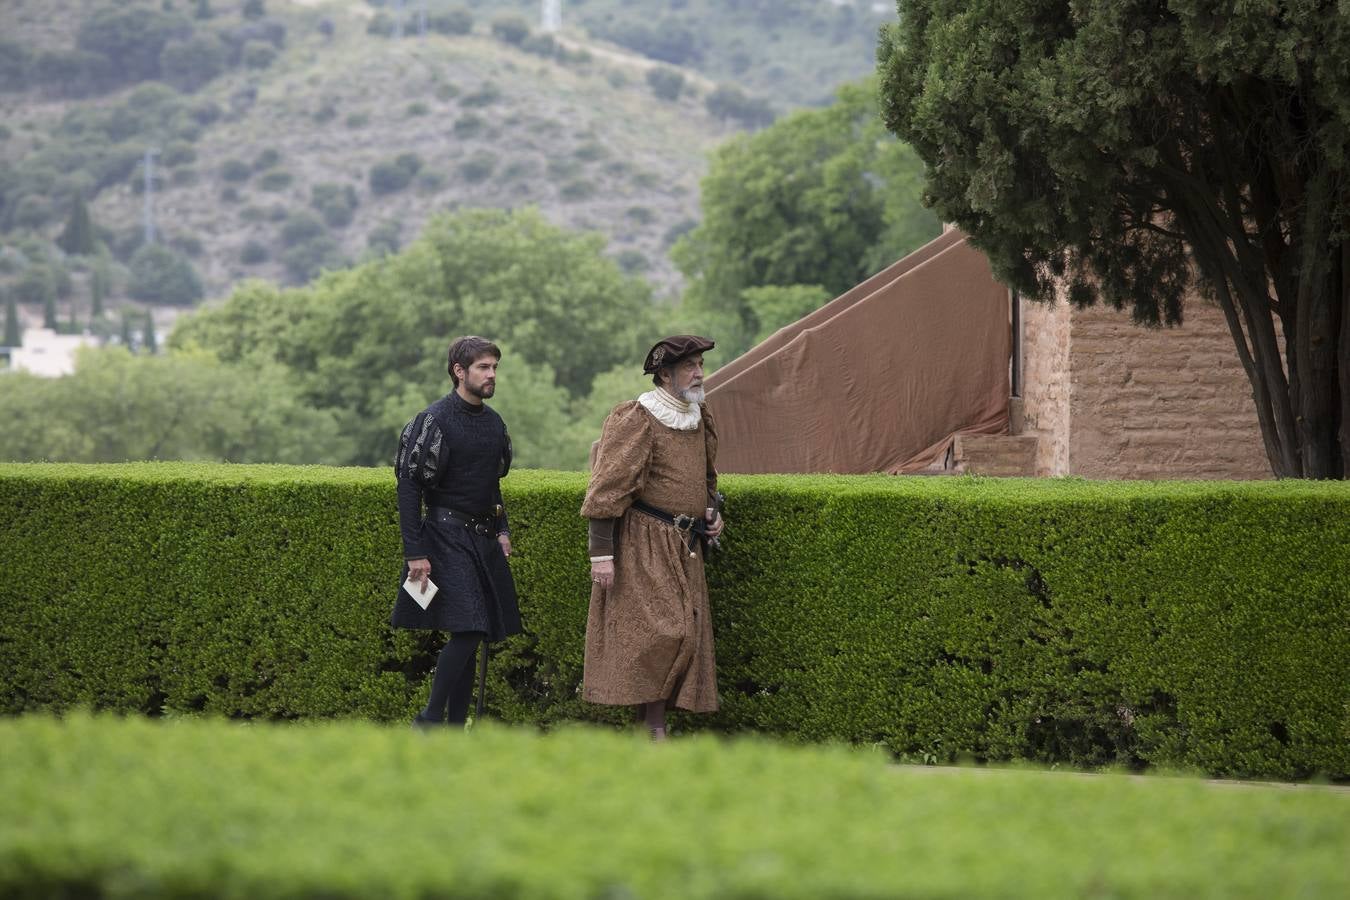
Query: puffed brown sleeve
<point>710,445</point>
<point>620,462</point>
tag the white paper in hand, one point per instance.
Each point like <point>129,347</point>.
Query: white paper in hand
<point>414,589</point>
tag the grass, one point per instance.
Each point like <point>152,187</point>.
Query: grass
<point>121,807</point>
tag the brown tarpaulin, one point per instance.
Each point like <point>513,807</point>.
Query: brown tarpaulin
<point>878,380</point>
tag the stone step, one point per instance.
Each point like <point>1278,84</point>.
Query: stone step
<point>1002,455</point>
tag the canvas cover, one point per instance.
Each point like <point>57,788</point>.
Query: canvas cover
<point>881,379</point>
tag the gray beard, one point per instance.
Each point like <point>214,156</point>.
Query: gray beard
<point>692,395</point>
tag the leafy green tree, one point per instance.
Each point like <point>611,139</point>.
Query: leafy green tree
<point>822,197</point>
<point>185,405</point>
<point>49,313</point>
<point>78,235</point>
<point>369,343</point>
<point>774,306</point>
<point>160,274</point>
<point>1135,151</point>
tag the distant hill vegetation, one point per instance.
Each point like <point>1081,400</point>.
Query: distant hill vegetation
<point>286,138</point>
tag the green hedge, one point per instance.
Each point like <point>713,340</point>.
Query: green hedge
<point>94,807</point>
<point>1201,625</point>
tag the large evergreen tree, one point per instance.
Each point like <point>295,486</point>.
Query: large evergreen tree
<point>1139,149</point>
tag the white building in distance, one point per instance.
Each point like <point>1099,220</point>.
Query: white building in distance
<point>48,354</point>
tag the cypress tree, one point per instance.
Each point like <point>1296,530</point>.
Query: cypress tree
<point>78,235</point>
<point>126,333</point>
<point>49,312</point>
<point>13,337</point>
<point>98,286</point>
<point>148,334</point>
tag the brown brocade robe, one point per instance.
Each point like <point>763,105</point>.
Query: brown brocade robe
<point>649,636</point>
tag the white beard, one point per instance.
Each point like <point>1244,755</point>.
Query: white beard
<point>692,395</point>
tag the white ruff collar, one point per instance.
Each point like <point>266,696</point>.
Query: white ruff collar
<point>671,412</point>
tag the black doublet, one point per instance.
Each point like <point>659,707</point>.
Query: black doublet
<point>453,455</point>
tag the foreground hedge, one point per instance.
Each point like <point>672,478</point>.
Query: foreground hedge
<point>1204,625</point>
<point>100,807</point>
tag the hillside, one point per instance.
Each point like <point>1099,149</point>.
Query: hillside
<point>323,138</point>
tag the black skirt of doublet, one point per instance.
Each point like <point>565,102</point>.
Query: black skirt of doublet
<point>475,589</point>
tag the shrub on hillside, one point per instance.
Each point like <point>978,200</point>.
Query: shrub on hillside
<point>73,73</point>
<point>669,40</point>
<point>15,60</point>
<point>389,177</point>
<point>178,153</point>
<point>380,25</point>
<point>384,239</point>
<point>335,202</point>
<point>478,167</point>
<point>487,94</point>
<point>161,275</point>
<point>468,125</point>
<point>453,21</point>
<point>266,159</point>
<point>577,189</point>
<point>275,180</point>
<point>258,55</point>
<point>131,39</point>
<point>235,170</point>
<point>540,45</point>
<point>730,102</point>
<point>301,227</point>
<point>511,29</point>
<point>190,63</point>
<point>305,262</point>
<point>665,83</point>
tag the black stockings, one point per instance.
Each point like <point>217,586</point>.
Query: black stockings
<point>452,684</point>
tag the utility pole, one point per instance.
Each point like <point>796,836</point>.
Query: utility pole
<point>148,211</point>
<point>551,16</point>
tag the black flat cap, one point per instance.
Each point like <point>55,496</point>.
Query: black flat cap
<point>671,350</point>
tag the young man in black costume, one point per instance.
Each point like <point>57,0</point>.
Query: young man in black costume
<point>451,459</point>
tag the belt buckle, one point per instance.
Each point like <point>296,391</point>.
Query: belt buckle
<point>683,522</point>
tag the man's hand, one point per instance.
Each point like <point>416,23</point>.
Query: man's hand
<point>602,573</point>
<point>505,540</point>
<point>715,523</point>
<point>419,570</point>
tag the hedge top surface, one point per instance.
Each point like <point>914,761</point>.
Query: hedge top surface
<point>132,807</point>
<point>974,488</point>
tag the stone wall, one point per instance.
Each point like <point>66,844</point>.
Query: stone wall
<point>1160,403</point>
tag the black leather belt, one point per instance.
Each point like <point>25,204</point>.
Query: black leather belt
<point>693,527</point>
<point>486,524</point>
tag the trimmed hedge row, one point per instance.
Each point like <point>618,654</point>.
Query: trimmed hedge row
<point>1201,625</point>
<point>97,807</point>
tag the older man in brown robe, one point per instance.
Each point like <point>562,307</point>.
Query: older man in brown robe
<point>649,639</point>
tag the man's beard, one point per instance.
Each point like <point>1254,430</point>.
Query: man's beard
<point>482,391</point>
<point>692,394</point>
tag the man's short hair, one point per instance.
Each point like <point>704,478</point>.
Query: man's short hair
<point>468,350</point>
